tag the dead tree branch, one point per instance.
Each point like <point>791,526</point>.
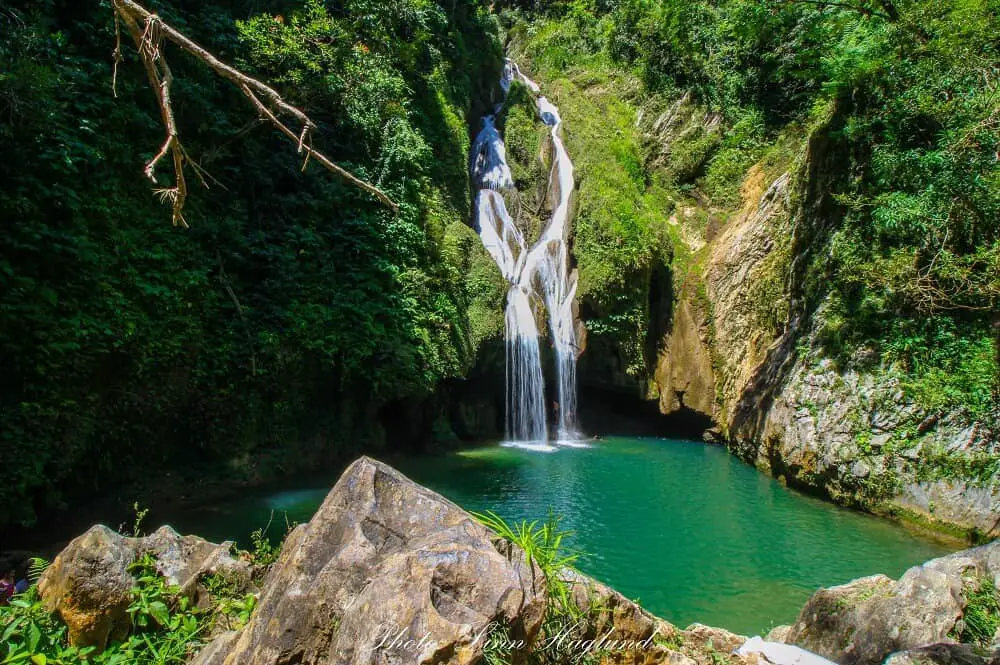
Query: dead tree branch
<point>224,279</point>
<point>149,32</point>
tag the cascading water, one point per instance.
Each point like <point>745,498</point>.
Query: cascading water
<point>536,275</point>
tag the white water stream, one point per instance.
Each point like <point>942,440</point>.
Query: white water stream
<point>538,276</point>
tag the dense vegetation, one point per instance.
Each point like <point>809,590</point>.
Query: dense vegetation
<point>295,308</point>
<point>166,626</point>
<point>295,312</point>
<point>900,102</point>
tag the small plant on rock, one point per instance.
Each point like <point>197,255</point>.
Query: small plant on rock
<point>981,618</point>
<point>30,634</point>
<point>542,543</point>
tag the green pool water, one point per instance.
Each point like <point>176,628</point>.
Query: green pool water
<point>690,531</point>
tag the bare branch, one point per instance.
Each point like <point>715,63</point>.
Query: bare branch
<point>320,157</point>
<point>224,279</point>
<point>267,101</point>
<point>117,54</point>
<point>160,78</point>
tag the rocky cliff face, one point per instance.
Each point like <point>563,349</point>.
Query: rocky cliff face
<point>743,348</point>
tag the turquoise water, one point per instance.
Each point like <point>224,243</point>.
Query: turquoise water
<point>690,531</point>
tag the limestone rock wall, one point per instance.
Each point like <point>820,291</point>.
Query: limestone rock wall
<point>739,350</point>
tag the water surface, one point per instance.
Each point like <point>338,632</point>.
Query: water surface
<point>687,529</point>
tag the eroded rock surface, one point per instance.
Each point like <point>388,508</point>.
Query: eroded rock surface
<point>684,367</point>
<point>88,584</point>
<point>945,654</point>
<point>862,622</point>
<point>607,612</point>
<point>387,571</point>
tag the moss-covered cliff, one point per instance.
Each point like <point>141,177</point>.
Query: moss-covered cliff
<point>813,270</point>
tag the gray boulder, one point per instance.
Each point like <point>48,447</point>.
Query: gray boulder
<point>862,622</point>
<point>88,583</point>
<point>387,572</point>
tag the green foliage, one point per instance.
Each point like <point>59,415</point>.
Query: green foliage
<point>263,552</point>
<point>741,147</point>
<point>542,542</point>
<point>294,309</point>
<point>150,595</point>
<point>166,628</point>
<point>140,516</point>
<point>31,635</point>
<point>523,136</point>
<point>978,468</point>
<point>233,607</point>
<point>981,616</point>
<point>36,568</point>
<point>878,488</point>
<point>945,365</point>
<point>498,648</point>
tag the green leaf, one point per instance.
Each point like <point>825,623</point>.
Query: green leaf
<point>34,636</point>
<point>159,612</point>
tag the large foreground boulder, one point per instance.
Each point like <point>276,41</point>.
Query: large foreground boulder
<point>387,572</point>
<point>88,584</point>
<point>862,622</point>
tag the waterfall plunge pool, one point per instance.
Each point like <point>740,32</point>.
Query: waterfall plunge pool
<point>687,529</point>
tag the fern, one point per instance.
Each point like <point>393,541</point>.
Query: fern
<point>37,568</point>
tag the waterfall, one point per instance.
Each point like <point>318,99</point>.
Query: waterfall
<point>537,276</point>
<point>525,383</point>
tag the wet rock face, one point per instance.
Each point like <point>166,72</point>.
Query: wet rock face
<point>684,367</point>
<point>852,435</point>
<point>88,584</point>
<point>862,622</point>
<point>387,572</point>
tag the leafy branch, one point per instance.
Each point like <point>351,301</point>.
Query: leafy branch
<point>149,32</point>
